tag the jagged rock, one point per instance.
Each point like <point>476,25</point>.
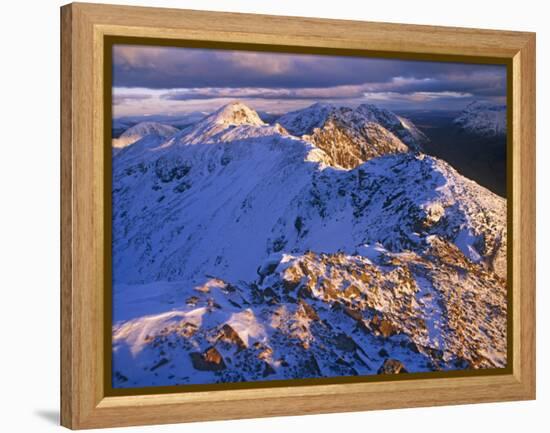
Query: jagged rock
<point>355,124</point>
<point>386,328</point>
<point>349,144</point>
<point>210,360</point>
<point>230,335</point>
<point>265,353</point>
<point>188,329</point>
<point>354,314</point>
<point>392,366</point>
<point>428,216</point>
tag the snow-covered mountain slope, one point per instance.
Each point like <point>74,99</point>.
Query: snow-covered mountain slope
<point>403,128</point>
<point>412,136</point>
<point>141,130</point>
<point>317,315</point>
<point>241,253</point>
<point>483,119</point>
<point>268,116</point>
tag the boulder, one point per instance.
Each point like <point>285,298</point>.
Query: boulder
<point>392,366</point>
<point>229,335</point>
<point>209,360</point>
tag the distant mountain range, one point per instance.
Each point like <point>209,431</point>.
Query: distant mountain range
<point>483,119</point>
<point>326,243</point>
<point>121,124</point>
<point>473,141</point>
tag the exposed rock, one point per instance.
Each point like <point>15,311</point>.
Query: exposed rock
<point>230,335</point>
<point>188,329</point>
<point>392,366</point>
<point>210,360</point>
<point>349,141</point>
<point>354,314</point>
<point>266,353</point>
<point>386,328</point>
<point>430,215</point>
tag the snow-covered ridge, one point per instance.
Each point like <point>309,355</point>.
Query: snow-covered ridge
<point>305,121</point>
<point>180,121</point>
<point>235,113</point>
<point>230,122</point>
<point>349,139</point>
<point>400,126</point>
<point>141,130</point>
<point>483,119</point>
<point>241,252</point>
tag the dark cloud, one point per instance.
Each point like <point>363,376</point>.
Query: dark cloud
<point>487,85</point>
<point>329,93</point>
<point>166,68</point>
<point>162,79</point>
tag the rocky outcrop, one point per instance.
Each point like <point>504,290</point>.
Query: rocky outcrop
<point>392,366</point>
<point>349,144</point>
<point>210,360</point>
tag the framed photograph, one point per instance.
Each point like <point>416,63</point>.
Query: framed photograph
<point>268,216</point>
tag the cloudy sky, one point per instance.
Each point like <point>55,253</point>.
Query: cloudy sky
<point>164,80</point>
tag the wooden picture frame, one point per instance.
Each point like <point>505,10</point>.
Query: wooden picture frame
<point>85,402</point>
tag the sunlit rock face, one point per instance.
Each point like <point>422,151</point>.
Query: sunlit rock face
<point>324,245</point>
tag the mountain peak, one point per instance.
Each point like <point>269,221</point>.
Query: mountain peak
<point>149,128</point>
<point>377,114</point>
<point>322,106</point>
<point>231,122</point>
<point>403,128</point>
<point>484,105</point>
<point>235,113</point>
<point>143,129</point>
<point>305,120</point>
